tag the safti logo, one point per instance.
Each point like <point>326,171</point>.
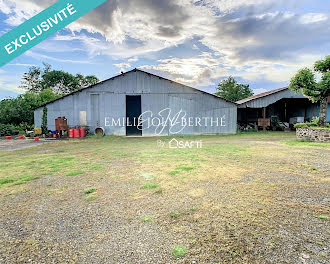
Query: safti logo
<point>180,144</point>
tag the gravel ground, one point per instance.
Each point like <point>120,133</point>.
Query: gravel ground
<point>266,212</point>
<point>14,144</point>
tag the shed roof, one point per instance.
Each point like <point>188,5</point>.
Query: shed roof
<point>261,95</point>
<point>268,98</point>
<point>134,70</point>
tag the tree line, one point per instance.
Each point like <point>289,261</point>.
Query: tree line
<point>42,85</point>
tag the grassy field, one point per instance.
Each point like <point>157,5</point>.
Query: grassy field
<point>248,198</point>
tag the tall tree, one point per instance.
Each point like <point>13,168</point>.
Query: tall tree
<point>305,82</point>
<point>233,91</point>
<point>37,79</point>
<point>19,110</point>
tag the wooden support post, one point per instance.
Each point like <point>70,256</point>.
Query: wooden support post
<point>264,117</point>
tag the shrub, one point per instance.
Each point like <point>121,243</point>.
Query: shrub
<point>24,126</point>
<point>6,130</point>
<point>313,124</point>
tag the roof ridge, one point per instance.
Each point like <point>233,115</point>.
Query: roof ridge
<point>261,95</point>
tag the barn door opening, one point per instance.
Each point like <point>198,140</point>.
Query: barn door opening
<point>95,107</point>
<point>133,112</point>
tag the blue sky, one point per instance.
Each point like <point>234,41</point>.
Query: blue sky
<point>196,42</point>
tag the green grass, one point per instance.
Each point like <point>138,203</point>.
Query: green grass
<point>180,169</point>
<point>149,186</point>
<point>185,168</point>
<point>90,197</point>
<point>96,168</point>
<point>146,219</point>
<point>175,214</point>
<point>179,251</point>
<point>24,180</point>
<point>299,142</point>
<point>323,217</point>
<point>74,173</point>
<point>6,181</point>
<point>89,190</point>
<point>17,181</point>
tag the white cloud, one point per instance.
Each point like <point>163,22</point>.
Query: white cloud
<point>20,64</point>
<point>133,59</point>
<point>40,56</point>
<point>245,38</point>
<point>7,83</point>
<point>310,18</point>
<point>123,66</point>
<point>259,91</point>
<point>195,71</point>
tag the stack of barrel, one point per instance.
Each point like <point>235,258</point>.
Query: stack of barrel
<point>77,132</point>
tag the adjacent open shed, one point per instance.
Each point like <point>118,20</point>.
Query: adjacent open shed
<point>280,108</point>
<point>140,103</point>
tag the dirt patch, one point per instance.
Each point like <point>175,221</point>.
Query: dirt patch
<point>14,144</point>
<point>239,199</point>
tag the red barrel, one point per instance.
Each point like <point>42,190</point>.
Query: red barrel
<point>21,137</point>
<point>76,132</point>
<point>70,132</point>
<point>54,136</point>
<point>82,132</point>
<point>8,137</point>
<point>36,139</point>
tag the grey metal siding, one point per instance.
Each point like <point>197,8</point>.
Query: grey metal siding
<point>156,94</point>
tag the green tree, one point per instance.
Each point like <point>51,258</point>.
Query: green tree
<point>37,80</point>
<point>233,91</point>
<point>17,111</point>
<point>85,81</point>
<point>32,79</point>
<point>43,85</point>
<point>305,82</point>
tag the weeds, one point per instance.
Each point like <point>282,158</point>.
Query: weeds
<point>323,217</point>
<point>74,173</point>
<point>91,197</point>
<point>89,190</point>
<point>146,219</point>
<point>175,214</point>
<point>149,186</point>
<point>179,251</point>
<point>6,181</point>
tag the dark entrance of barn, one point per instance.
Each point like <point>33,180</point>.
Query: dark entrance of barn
<point>133,112</point>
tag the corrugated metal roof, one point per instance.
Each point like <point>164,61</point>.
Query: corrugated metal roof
<point>129,72</point>
<point>261,95</point>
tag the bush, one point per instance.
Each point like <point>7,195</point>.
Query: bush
<point>313,124</point>
<point>6,130</point>
<point>24,126</point>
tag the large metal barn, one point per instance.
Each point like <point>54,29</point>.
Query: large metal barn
<point>140,103</point>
